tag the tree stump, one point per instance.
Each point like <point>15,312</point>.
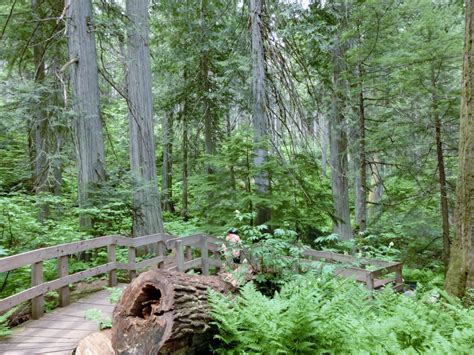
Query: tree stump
<point>163,312</point>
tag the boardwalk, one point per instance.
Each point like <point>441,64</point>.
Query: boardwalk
<point>57,332</point>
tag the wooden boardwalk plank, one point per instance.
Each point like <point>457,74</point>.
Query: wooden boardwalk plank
<point>57,332</point>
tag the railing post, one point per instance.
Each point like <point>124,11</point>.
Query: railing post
<point>218,256</point>
<point>204,256</point>
<point>64,293</point>
<point>189,253</point>
<point>369,281</point>
<point>398,275</point>
<point>161,252</point>
<point>37,303</point>
<point>112,258</point>
<point>132,254</point>
<point>179,256</point>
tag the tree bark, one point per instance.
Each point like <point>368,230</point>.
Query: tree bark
<point>376,192</point>
<point>443,186</point>
<point>338,149</point>
<point>167,170</point>
<point>259,111</point>
<point>185,147</point>
<point>233,183</point>
<point>44,135</point>
<point>147,217</point>
<point>163,312</point>
<point>460,276</point>
<point>39,128</point>
<point>361,193</point>
<point>324,137</point>
<point>206,87</point>
<point>89,141</point>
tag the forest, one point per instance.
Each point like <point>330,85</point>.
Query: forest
<point>278,126</point>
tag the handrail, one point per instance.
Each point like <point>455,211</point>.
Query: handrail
<point>39,287</point>
<point>184,261</point>
<point>19,260</point>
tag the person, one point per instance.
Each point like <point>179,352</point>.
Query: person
<point>234,240</point>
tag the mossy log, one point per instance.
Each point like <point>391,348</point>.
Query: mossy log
<point>164,312</point>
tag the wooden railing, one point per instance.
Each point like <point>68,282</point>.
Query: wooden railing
<point>162,243</point>
<point>356,268</point>
<point>184,261</point>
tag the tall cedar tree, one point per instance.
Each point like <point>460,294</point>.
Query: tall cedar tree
<point>259,111</point>
<point>147,217</point>
<point>89,140</point>
<point>460,276</point>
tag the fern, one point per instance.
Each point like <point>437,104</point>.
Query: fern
<point>317,314</point>
<point>4,328</point>
<point>115,294</point>
<point>96,315</point>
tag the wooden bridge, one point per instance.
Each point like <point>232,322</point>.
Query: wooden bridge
<point>59,332</point>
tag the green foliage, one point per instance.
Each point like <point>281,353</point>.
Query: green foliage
<point>4,328</point>
<point>115,294</point>
<point>96,315</point>
<point>319,314</point>
<point>177,226</point>
<point>272,255</point>
<point>404,57</point>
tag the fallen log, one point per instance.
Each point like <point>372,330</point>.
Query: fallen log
<point>163,312</point>
<point>96,343</point>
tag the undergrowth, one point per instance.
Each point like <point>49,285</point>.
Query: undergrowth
<point>318,314</point>
<point>95,314</point>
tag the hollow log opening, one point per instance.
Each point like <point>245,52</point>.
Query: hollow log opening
<point>146,302</point>
<point>163,312</point>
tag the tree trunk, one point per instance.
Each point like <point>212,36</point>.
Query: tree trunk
<point>233,183</point>
<point>376,192</point>
<point>324,137</point>
<point>338,148</point>
<point>147,217</point>
<point>163,312</point>
<point>259,110</point>
<point>39,127</point>
<point>443,186</point>
<point>460,276</point>
<point>167,178</point>
<point>361,193</point>
<point>185,147</point>
<point>84,80</point>
<point>206,87</point>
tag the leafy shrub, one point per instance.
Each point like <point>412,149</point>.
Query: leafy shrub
<point>272,255</point>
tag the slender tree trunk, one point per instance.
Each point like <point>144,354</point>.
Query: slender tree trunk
<point>443,186</point>
<point>338,148</point>
<point>167,178</point>
<point>460,276</point>
<point>324,137</point>
<point>147,217</point>
<point>361,193</point>
<point>185,147</point>
<point>39,128</point>
<point>233,183</point>
<point>259,110</point>
<point>84,79</point>
<point>58,131</point>
<point>206,87</point>
<point>376,192</point>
